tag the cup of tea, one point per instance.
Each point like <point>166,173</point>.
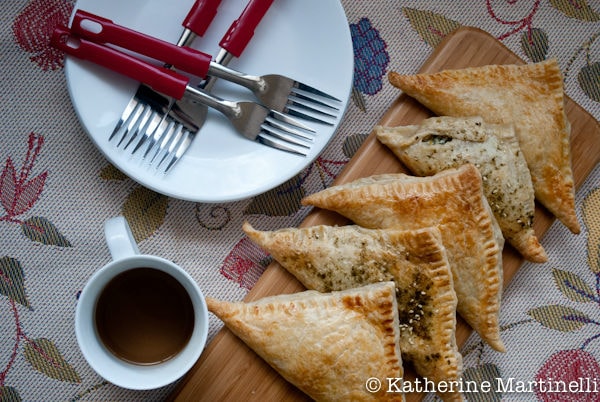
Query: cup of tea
<point>141,321</point>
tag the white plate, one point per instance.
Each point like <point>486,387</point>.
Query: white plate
<point>307,40</point>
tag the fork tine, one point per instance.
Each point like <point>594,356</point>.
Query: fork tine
<point>153,133</point>
<point>287,119</point>
<point>127,124</point>
<point>304,113</point>
<point>147,130</point>
<point>131,109</point>
<point>283,135</point>
<point>314,99</point>
<point>274,122</point>
<point>183,146</point>
<point>310,106</point>
<point>175,140</point>
<point>137,124</point>
<point>156,136</point>
<point>164,140</point>
<point>265,139</point>
<point>313,90</point>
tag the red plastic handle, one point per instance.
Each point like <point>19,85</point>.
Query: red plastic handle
<point>160,79</point>
<point>102,30</point>
<point>201,16</point>
<point>241,31</point>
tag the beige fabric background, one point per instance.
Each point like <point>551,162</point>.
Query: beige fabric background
<point>74,191</point>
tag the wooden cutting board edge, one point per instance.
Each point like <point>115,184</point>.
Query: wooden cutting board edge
<point>228,369</point>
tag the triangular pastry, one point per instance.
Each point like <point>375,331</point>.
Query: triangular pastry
<point>333,258</point>
<point>530,96</point>
<point>439,143</point>
<point>452,200</point>
<point>327,345</point>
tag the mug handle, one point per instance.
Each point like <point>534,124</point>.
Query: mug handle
<point>119,238</point>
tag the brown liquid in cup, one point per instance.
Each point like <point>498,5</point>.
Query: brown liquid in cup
<point>144,316</point>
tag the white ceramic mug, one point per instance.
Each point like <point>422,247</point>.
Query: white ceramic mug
<point>126,256</point>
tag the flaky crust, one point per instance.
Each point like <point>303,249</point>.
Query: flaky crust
<point>327,345</point>
<point>327,258</point>
<point>531,97</point>
<point>452,200</point>
<point>439,143</point>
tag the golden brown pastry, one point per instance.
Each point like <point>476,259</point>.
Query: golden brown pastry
<point>332,258</point>
<point>452,200</point>
<point>531,97</point>
<point>439,143</point>
<point>327,345</point>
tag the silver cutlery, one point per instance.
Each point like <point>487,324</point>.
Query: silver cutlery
<point>277,92</point>
<point>254,121</point>
<point>235,40</point>
<point>151,115</point>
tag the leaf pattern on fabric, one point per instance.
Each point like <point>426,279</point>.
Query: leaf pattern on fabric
<point>145,211</point>
<point>589,80</point>
<point>591,219</point>
<point>588,76</point>
<point>18,196</point>
<point>573,287</point>
<point>432,27</point>
<point>352,143</point>
<point>484,373</point>
<point>283,200</point>
<point>12,281</point>
<point>41,230</point>
<point>110,172</point>
<point>19,192</point>
<point>562,365</point>
<point>558,317</point>
<point>359,99</point>
<point>33,27</point>
<point>45,357</point>
<point>245,264</point>
<point>578,9</point>
<point>90,390</point>
<point>9,394</point>
<point>573,365</point>
<point>535,44</point>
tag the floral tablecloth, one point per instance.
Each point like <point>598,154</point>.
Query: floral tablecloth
<point>56,191</point>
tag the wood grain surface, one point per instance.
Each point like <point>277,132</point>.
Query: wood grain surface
<point>228,370</point>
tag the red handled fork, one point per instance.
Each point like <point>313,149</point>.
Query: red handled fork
<point>254,121</point>
<point>277,92</point>
<point>150,114</point>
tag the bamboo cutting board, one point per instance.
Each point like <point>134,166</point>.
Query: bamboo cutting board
<point>228,370</point>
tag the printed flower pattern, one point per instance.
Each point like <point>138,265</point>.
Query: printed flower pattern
<point>42,354</point>
<point>575,364</point>
<point>370,57</point>
<point>33,27</point>
<point>19,192</point>
<point>24,189</point>
<point>568,366</point>
<point>245,263</point>
<point>578,365</point>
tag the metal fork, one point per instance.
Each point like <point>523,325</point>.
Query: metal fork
<point>232,44</point>
<point>151,115</point>
<point>284,94</point>
<point>277,92</point>
<point>252,120</point>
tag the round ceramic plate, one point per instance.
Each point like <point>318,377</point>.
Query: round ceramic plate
<point>307,40</point>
